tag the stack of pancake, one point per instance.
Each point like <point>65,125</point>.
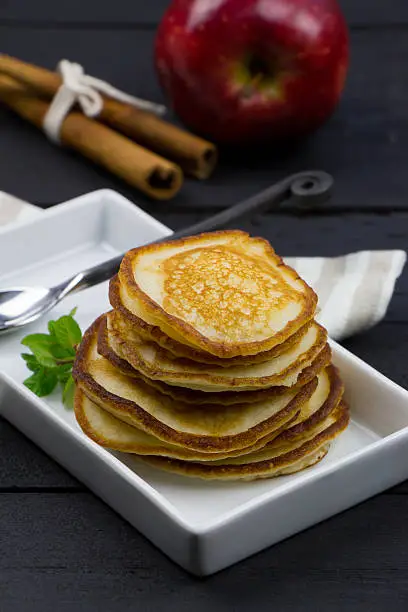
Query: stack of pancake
<point>210,363</point>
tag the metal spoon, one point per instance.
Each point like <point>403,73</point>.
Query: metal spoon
<point>22,305</point>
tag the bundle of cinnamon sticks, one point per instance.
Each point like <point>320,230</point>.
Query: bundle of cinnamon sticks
<point>139,147</point>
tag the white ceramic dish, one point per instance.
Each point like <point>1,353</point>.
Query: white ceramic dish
<point>202,526</point>
<point>15,211</point>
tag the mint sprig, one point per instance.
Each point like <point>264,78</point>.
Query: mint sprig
<point>52,357</point>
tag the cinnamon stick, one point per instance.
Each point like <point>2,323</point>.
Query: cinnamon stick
<point>196,156</point>
<point>155,176</point>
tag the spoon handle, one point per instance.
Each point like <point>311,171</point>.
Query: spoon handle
<point>305,188</point>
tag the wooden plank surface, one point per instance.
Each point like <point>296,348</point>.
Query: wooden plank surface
<point>123,13</point>
<point>365,144</point>
<point>24,466</point>
<point>78,555</point>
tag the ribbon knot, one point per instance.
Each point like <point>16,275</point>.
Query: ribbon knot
<point>84,90</point>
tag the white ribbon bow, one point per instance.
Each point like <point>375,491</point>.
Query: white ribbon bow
<point>78,87</point>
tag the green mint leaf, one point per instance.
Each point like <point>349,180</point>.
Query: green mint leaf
<point>67,332</point>
<point>64,372</point>
<point>62,354</point>
<point>51,325</point>
<point>52,358</point>
<point>64,377</point>
<point>47,349</point>
<point>31,362</point>
<point>68,393</point>
<point>73,311</point>
<point>34,340</point>
<point>42,382</point>
<point>41,345</point>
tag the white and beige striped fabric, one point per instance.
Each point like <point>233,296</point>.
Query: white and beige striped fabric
<point>354,290</point>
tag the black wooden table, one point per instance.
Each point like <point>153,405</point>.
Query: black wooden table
<point>61,548</point>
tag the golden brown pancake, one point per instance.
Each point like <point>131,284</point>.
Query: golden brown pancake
<point>224,293</point>
<point>210,364</point>
<point>206,428</point>
<point>110,432</point>
<point>132,323</point>
<point>156,363</point>
<point>276,458</point>
<point>312,413</point>
<point>272,469</point>
<point>195,397</point>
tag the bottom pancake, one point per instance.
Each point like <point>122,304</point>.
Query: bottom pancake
<point>277,458</point>
<point>274,471</point>
<point>111,432</point>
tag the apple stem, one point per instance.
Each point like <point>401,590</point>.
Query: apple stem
<point>249,88</point>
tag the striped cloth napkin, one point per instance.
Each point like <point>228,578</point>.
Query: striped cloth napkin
<point>354,290</point>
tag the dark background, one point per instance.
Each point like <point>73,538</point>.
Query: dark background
<point>63,549</point>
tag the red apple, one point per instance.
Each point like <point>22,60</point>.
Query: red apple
<point>241,71</point>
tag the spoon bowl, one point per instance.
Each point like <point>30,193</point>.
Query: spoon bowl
<point>22,305</point>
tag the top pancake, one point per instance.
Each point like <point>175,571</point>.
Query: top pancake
<point>224,292</point>
<point>152,332</point>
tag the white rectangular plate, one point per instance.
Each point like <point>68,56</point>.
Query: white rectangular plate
<point>203,526</point>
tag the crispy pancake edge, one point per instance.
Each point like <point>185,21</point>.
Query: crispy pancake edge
<point>287,432</point>
<point>300,465</point>
<point>203,397</point>
<point>131,355</point>
<point>155,334</point>
<point>176,452</point>
<point>332,401</point>
<point>145,421</point>
<point>208,471</point>
<point>220,349</point>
